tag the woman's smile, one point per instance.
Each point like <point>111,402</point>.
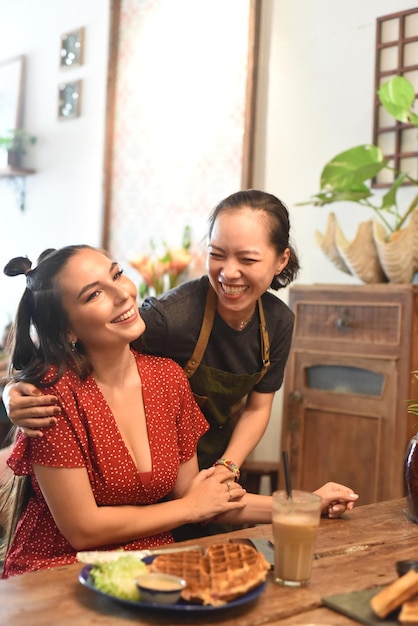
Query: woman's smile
<point>233,290</point>
<point>124,317</point>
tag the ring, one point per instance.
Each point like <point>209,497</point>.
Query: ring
<point>228,484</point>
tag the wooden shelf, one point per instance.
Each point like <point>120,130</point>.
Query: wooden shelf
<point>10,172</point>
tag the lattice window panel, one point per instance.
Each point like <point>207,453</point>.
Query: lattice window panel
<point>396,55</point>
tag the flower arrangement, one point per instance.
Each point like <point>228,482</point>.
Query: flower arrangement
<point>161,272</point>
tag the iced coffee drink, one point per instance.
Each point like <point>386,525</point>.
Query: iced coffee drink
<point>295,529</point>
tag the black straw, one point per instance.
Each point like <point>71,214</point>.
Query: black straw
<point>287,474</point>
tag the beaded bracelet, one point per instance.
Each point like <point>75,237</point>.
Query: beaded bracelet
<point>229,465</point>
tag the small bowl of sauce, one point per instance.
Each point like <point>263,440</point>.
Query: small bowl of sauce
<point>160,588</point>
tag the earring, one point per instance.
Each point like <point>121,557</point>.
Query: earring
<point>73,346</point>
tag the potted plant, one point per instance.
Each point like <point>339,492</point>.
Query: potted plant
<point>344,178</point>
<point>411,465</point>
<point>16,142</point>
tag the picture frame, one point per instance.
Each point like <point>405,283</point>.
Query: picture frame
<point>69,100</point>
<point>72,49</point>
<point>11,98</point>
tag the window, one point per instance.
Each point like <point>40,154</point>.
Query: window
<point>180,116</point>
<point>396,55</point>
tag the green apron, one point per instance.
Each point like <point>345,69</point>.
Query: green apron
<point>220,394</point>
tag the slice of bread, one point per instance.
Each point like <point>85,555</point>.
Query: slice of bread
<point>409,613</point>
<point>390,598</point>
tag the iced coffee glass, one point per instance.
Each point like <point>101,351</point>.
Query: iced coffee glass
<point>295,529</point>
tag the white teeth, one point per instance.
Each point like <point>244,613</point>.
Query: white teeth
<point>124,317</point>
<point>232,291</point>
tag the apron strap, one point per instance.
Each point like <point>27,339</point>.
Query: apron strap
<point>205,330</point>
<point>200,347</point>
<point>265,341</point>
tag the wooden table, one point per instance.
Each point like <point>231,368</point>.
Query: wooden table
<point>356,552</point>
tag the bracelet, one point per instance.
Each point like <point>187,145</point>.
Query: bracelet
<point>229,465</point>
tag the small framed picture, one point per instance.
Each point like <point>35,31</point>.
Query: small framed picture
<point>69,100</point>
<point>72,45</point>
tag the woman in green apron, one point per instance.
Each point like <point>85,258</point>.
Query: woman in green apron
<point>228,331</point>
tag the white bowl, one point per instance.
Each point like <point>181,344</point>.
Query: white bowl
<point>160,588</point>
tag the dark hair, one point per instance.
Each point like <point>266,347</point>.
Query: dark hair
<point>40,309</point>
<point>278,221</point>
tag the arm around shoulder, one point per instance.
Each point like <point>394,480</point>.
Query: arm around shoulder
<point>28,408</point>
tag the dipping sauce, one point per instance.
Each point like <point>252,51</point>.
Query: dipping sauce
<point>160,588</point>
<point>159,582</point>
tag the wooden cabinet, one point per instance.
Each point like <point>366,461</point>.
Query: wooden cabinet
<point>347,383</point>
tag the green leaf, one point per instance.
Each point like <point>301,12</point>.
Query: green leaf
<point>389,199</point>
<point>333,195</point>
<point>187,238</point>
<point>143,290</point>
<point>397,96</point>
<point>348,170</point>
<point>166,258</point>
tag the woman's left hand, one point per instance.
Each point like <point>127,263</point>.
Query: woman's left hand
<point>336,499</point>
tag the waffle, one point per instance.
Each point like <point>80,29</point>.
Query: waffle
<point>224,572</point>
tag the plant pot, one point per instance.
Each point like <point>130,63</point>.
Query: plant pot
<point>369,256</point>
<point>411,478</point>
<point>14,158</point>
<point>399,256</point>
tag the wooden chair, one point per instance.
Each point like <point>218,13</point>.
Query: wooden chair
<point>253,471</point>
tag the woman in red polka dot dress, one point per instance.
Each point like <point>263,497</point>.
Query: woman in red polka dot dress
<point>128,428</point>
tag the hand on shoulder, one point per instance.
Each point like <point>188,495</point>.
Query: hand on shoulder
<point>29,409</point>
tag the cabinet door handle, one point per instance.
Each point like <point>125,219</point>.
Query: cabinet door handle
<point>295,396</point>
<point>343,322</point>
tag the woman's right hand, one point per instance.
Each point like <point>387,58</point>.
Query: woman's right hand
<point>208,497</point>
<point>29,409</point>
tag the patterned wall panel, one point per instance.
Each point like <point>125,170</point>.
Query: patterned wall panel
<point>180,108</point>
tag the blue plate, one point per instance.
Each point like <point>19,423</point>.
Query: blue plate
<point>180,606</point>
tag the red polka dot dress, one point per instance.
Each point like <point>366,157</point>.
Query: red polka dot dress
<point>87,436</point>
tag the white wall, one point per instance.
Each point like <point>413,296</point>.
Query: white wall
<point>317,75</point>
<point>64,200</point>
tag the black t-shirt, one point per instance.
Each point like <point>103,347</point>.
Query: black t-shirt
<point>173,323</point>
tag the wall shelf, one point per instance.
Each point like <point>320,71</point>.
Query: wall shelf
<point>17,176</point>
